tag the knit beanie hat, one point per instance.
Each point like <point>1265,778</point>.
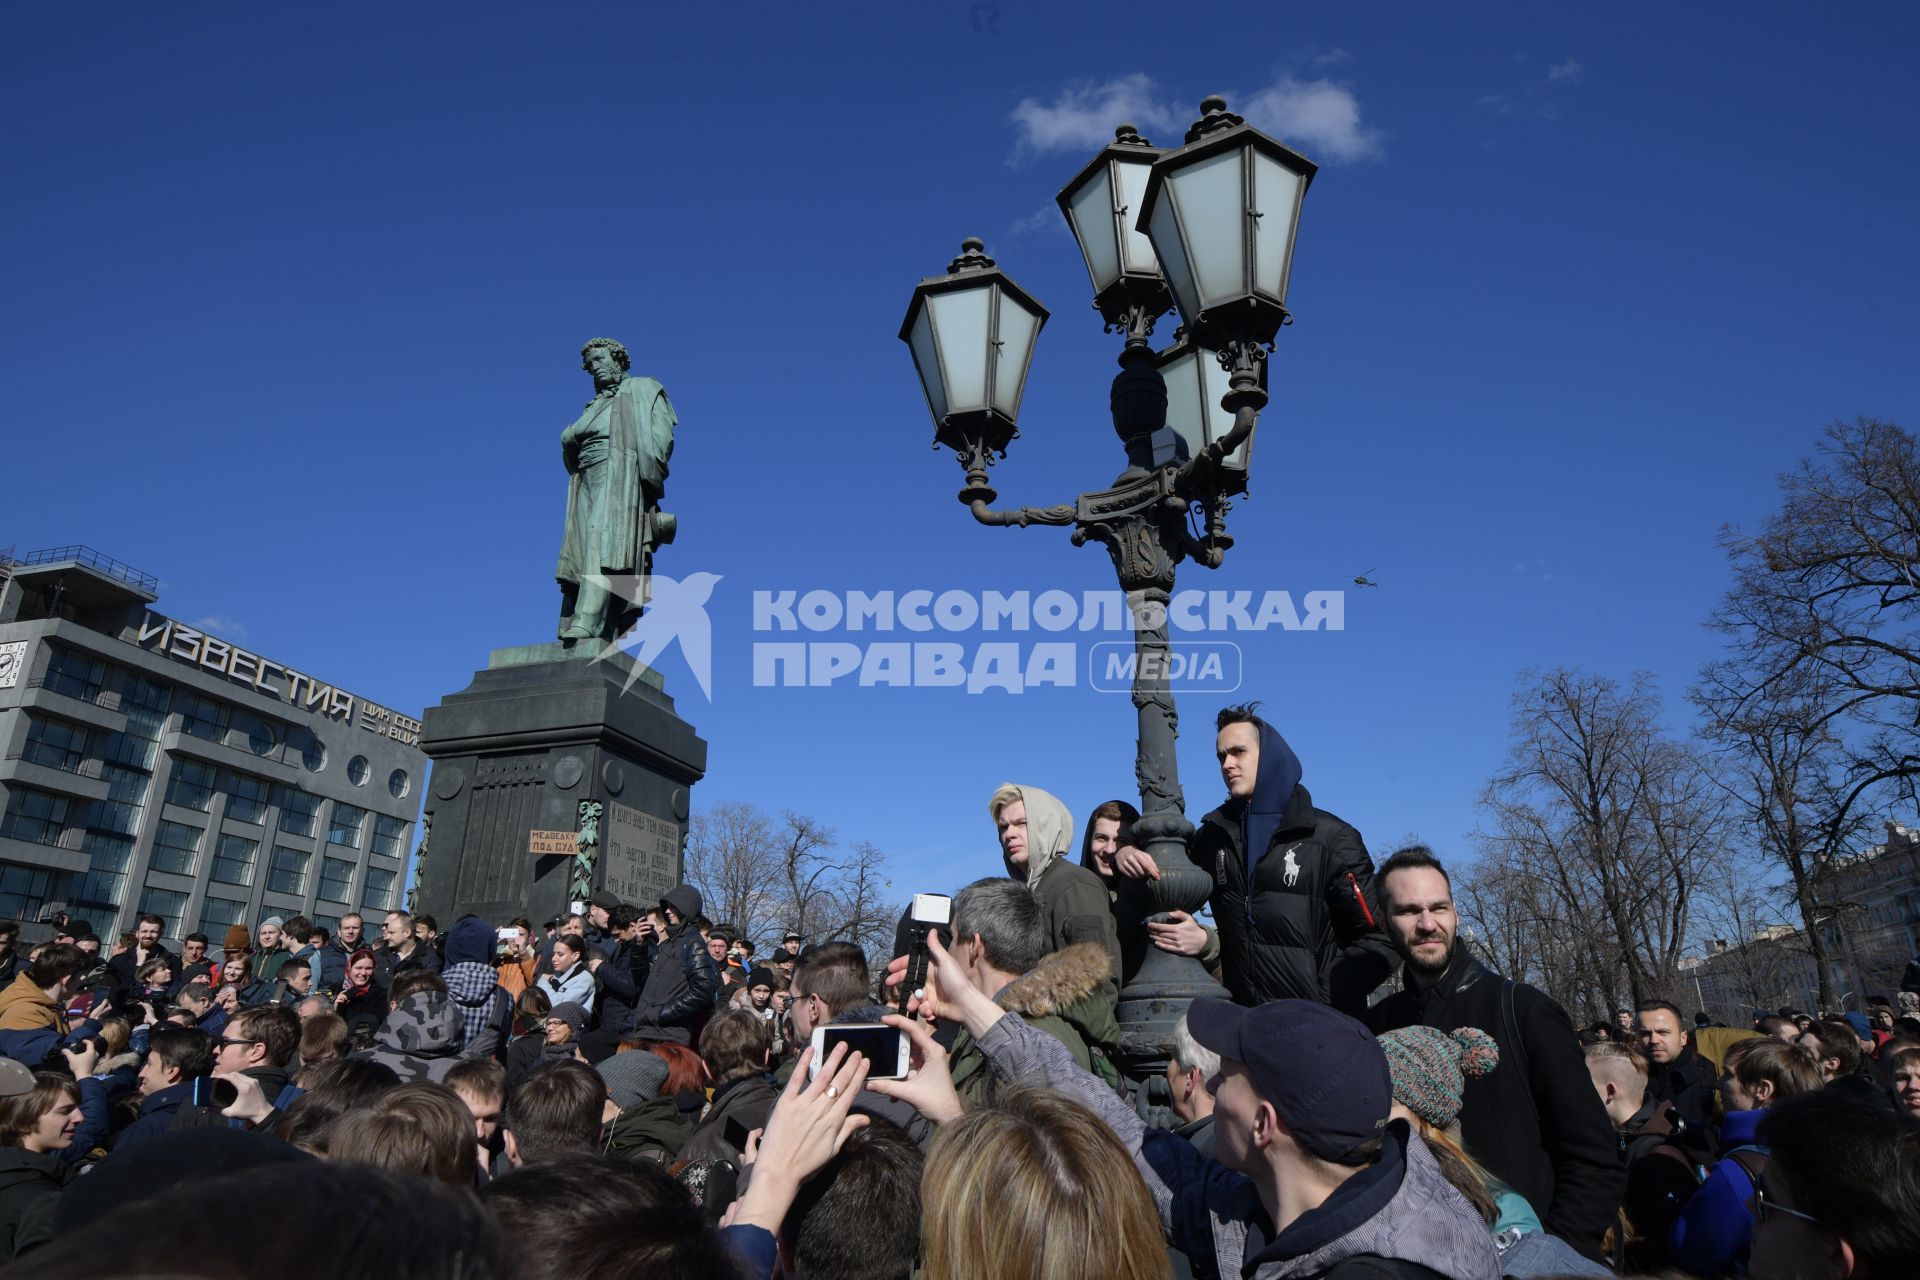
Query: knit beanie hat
<point>238,939</point>
<point>1431,1068</point>
<point>633,1077</point>
<point>571,1012</point>
<point>762,978</point>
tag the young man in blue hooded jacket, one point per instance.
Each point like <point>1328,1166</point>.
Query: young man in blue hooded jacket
<point>1293,892</point>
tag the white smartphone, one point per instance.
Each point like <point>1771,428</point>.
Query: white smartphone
<point>884,1048</point>
<point>931,908</point>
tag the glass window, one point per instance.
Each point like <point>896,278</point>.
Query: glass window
<point>399,784</point>
<point>357,771</point>
<point>191,786</point>
<point>378,895</point>
<point>336,879</point>
<point>262,738</point>
<point>330,923</point>
<point>203,717</point>
<point>298,810</point>
<point>175,845</point>
<point>389,836</point>
<point>247,798</point>
<point>217,913</point>
<point>76,675</point>
<point>134,750</point>
<point>287,873</point>
<point>166,904</point>
<point>233,859</point>
<point>23,890</point>
<point>38,816</point>
<point>343,828</point>
<point>314,755</point>
<point>55,744</point>
<point>103,887</point>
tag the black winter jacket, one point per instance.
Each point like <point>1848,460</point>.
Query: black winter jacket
<point>1310,928</point>
<point>680,987</point>
<point>30,1187</point>
<point>622,977</point>
<point>1534,1121</point>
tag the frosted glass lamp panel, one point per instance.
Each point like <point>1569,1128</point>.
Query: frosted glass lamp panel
<point>1276,195</point>
<point>1172,252</point>
<point>1093,227</point>
<point>1213,214</point>
<point>1136,251</point>
<point>1186,407</point>
<point>960,324</point>
<point>1019,328</point>
<point>926,358</point>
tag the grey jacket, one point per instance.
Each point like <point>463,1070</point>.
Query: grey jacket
<point>420,1039</point>
<point>1400,1208</point>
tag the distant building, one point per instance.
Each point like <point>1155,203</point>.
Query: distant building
<point>147,766</point>
<point>1869,913</point>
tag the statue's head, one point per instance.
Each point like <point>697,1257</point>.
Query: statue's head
<point>600,358</point>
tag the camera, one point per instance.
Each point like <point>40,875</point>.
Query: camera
<point>930,913</point>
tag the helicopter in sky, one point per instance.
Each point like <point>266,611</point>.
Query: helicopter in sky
<point>1365,580</point>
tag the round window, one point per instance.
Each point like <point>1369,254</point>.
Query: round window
<point>357,771</point>
<point>399,783</point>
<point>262,738</point>
<point>314,755</point>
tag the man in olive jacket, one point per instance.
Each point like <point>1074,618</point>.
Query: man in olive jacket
<point>1035,830</point>
<point>1292,885</point>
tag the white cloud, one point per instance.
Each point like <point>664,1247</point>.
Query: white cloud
<point>1045,218</point>
<point>221,625</point>
<point>1085,114</point>
<point>1537,100</point>
<point>1332,58</point>
<point>1319,116</point>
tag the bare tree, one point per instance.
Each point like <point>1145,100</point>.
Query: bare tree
<point>1799,790</point>
<point>731,861</point>
<point>1599,828</point>
<point>1817,699</point>
<point>764,875</point>
<point>1826,598</point>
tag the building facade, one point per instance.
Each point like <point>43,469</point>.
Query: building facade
<point>1869,919</point>
<point>146,766</point>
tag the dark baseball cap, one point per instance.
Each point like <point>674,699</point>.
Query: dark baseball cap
<point>605,899</point>
<point>1323,1072</point>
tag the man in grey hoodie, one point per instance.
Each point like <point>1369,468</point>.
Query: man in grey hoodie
<point>1035,830</point>
<point>1310,1179</point>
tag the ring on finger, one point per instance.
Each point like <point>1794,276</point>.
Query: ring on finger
<point>833,1091</point>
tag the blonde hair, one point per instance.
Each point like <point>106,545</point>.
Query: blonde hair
<point>1005,796</point>
<point>1036,1188</point>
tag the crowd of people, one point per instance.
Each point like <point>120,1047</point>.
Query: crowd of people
<point>637,1087</point>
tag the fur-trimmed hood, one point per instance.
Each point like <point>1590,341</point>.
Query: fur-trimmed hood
<point>1058,982</point>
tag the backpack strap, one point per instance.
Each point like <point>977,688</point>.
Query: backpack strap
<point>1752,1160</point>
<point>1510,1026</point>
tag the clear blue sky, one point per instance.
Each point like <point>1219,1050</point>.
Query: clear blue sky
<point>293,301</point>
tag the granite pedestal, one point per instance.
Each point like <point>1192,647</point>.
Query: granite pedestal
<point>550,782</point>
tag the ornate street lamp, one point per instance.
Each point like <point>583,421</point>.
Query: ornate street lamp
<point>972,332</point>
<point>1209,228</point>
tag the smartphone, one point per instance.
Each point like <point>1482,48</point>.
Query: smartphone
<point>884,1048</point>
<point>929,913</point>
<point>208,1092</point>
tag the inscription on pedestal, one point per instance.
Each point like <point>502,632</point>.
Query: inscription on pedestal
<point>642,854</point>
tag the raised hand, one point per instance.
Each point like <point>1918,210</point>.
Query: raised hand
<point>928,1087</point>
